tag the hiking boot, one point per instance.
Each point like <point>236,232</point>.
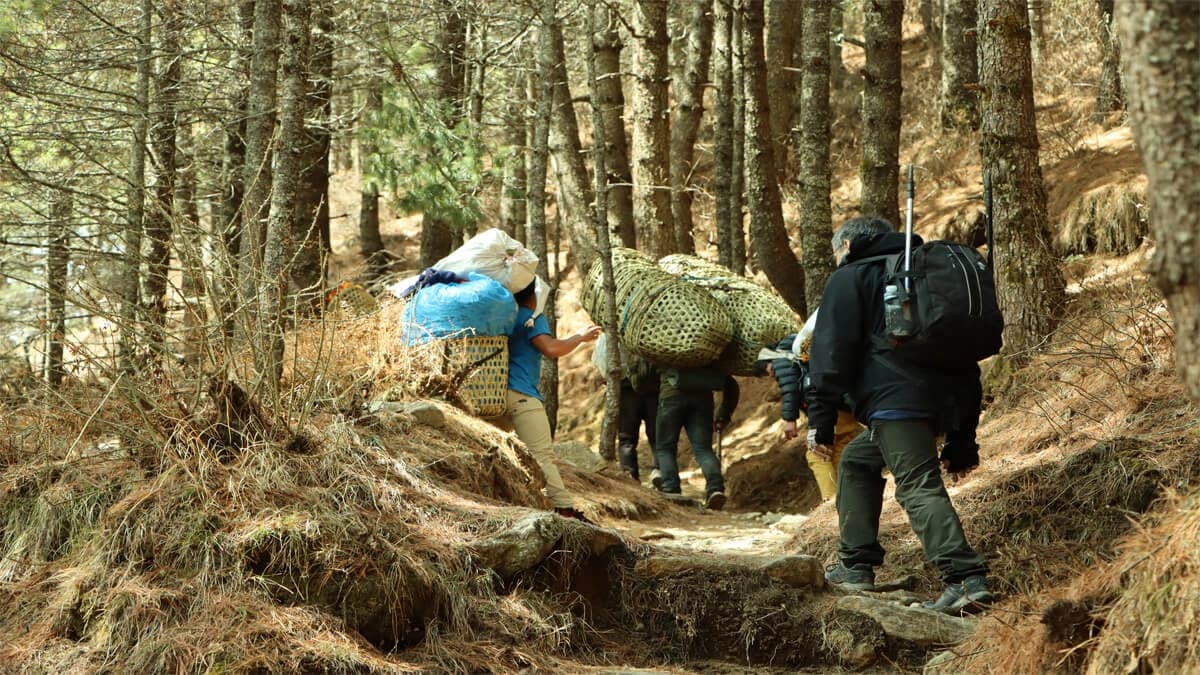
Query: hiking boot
<point>656,479</point>
<point>971,595</point>
<point>715,501</point>
<point>571,512</point>
<point>857,578</point>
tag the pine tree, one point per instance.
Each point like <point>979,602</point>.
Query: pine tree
<point>1029,284</point>
<point>1161,64</point>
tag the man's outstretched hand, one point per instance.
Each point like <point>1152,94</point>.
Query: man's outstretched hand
<point>590,333</point>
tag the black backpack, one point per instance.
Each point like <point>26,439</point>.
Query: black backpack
<point>947,314</point>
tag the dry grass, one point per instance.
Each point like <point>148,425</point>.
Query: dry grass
<point>1154,624</point>
<point>270,555</point>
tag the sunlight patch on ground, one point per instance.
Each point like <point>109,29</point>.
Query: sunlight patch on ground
<point>739,534</point>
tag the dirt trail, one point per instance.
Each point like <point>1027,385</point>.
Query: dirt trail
<point>717,533</point>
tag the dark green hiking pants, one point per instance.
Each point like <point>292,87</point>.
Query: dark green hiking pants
<point>909,449</point>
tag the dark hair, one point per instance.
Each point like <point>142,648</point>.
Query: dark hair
<point>526,293</point>
<point>857,227</point>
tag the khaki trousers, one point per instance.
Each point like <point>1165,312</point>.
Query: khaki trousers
<point>825,471</point>
<point>533,428</point>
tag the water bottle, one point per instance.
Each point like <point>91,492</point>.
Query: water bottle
<point>896,313</point>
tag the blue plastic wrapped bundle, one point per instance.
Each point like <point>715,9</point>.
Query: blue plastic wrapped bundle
<point>478,306</point>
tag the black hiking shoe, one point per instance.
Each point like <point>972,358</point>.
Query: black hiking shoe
<point>715,501</point>
<point>571,512</point>
<point>969,596</point>
<point>656,479</point>
<point>850,578</point>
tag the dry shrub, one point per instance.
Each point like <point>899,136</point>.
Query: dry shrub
<point>1135,613</point>
<point>1106,220</point>
<point>341,362</point>
<point>135,541</point>
<point>1154,625</point>
<point>1043,525</point>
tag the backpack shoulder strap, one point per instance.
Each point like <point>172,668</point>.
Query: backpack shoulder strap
<point>890,259</point>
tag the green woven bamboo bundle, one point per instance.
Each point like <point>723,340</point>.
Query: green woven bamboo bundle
<point>627,264</point>
<point>760,317</point>
<point>660,319</point>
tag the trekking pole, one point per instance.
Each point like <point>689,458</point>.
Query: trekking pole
<point>987,201</point>
<point>908,228</point>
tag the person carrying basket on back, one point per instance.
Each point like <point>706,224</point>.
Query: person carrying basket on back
<point>532,339</point>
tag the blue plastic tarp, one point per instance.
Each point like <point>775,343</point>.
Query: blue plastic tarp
<point>478,306</point>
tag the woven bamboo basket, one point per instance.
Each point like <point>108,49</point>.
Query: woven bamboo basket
<point>660,319</point>
<point>486,388</point>
<point>759,316</point>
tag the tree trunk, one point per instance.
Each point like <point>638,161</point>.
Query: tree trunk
<point>233,171</point>
<point>136,196</point>
<point>477,72</point>
<point>512,197</point>
<point>816,216</point>
<point>57,257</point>
<point>1029,283</point>
<point>285,188</point>
<point>163,141</point>
<point>541,90</point>
<point>837,67</point>
<point>722,181</point>
<point>260,126</point>
<point>311,234</point>
<point>772,250</point>
<point>1162,66</point>
<point>929,22</point>
<point>191,243</point>
<point>548,386</point>
<point>783,34</point>
<point>880,170</point>
<point>651,135</point>
<point>689,107</point>
<point>737,171</point>
<point>600,149</point>
<point>370,241</point>
<point>1037,35</point>
<point>574,195</point>
<point>1109,96</point>
<point>542,93</point>
<point>960,66</point>
<point>606,40</point>
<point>437,236</point>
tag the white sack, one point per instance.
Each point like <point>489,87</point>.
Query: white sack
<point>494,254</point>
<point>805,334</point>
<point>600,353</point>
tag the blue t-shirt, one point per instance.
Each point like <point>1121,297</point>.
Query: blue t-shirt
<point>524,360</point>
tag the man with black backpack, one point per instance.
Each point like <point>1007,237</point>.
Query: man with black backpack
<point>904,402</point>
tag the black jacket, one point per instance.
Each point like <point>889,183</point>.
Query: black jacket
<point>789,375</point>
<point>847,358</point>
<point>702,380</point>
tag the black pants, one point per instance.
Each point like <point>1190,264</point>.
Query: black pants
<point>692,411</point>
<point>909,449</point>
<point>635,409</point>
